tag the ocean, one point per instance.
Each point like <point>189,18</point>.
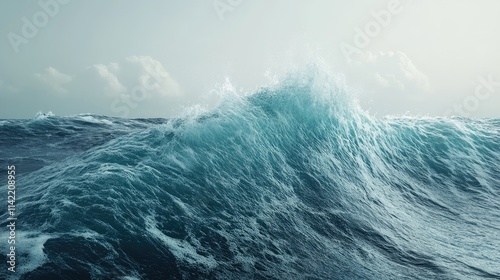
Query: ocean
<point>294,181</point>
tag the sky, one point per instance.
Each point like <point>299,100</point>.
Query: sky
<point>162,58</point>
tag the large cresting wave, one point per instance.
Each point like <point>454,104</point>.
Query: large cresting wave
<point>292,182</point>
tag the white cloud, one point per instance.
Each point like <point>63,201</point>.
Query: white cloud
<point>153,76</point>
<point>54,79</point>
<point>136,86</point>
<point>135,72</point>
<point>390,83</point>
<point>390,72</point>
<point>108,74</point>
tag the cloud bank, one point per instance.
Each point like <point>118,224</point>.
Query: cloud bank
<point>136,86</point>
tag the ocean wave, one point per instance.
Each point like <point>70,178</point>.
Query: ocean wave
<point>294,180</point>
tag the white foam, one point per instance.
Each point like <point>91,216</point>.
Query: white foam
<point>182,205</point>
<point>130,278</point>
<point>92,119</point>
<point>30,247</point>
<point>88,234</point>
<point>41,115</point>
<point>181,249</point>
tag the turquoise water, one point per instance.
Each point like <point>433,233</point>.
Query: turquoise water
<point>292,182</point>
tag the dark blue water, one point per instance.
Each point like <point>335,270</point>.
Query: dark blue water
<point>292,182</point>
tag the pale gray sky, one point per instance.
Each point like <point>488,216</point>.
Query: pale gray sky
<point>157,58</point>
